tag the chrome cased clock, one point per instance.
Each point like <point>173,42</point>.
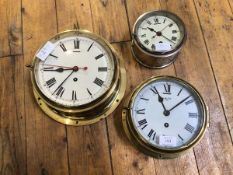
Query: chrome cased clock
<point>78,78</point>
<point>164,117</point>
<point>158,36</point>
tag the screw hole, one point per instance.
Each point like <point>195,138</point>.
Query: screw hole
<point>117,100</point>
<point>40,104</point>
<point>76,122</point>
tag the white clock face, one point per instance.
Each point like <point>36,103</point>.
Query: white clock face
<point>78,71</point>
<point>167,114</point>
<point>159,33</point>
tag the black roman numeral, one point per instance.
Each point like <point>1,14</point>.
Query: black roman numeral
<point>60,91</point>
<point>98,82</point>
<point>156,21</point>
<point>148,22</point>
<point>74,96</point>
<point>99,56</point>
<point>188,102</point>
<point>181,138</point>
<point>167,88</point>
<point>179,91</point>
<point>51,82</point>
<point>174,31</point>
<point>90,47</point>
<point>142,122</point>
<point>140,111</point>
<point>154,90</point>
<point>193,115</point>
<point>146,99</point>
<point>144,35</point>
<point>174,38</point>
<point>102,69</point>
<point>170,25</point>
<point>164,20</point>
<point>153,47</point>
<point>147,42</point>
<point>76,44</point>
<point>53,55</point>
<point>189,128</point>
<point>63,47</point>
<point>89,92</point>
<point>150,133</point>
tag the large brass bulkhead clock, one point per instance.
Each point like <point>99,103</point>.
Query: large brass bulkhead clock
<point>78,78</point>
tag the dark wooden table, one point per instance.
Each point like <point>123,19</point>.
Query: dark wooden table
<point>32,143</point>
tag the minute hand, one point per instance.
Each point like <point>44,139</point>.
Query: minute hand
<point>179,103</point>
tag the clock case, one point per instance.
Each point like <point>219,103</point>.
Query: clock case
<point>156,60</point>
<point>143,145</point>
<point>96,110</point>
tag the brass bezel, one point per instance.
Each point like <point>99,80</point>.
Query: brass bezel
<point>97,109</point>
<point>156,60</point>
<point>145,146</point>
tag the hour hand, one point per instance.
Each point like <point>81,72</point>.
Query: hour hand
<point>151,29</point>
<point>60,69</point>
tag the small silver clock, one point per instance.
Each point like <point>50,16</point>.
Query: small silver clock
<point>158,36</point>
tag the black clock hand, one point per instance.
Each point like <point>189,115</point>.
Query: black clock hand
<point>160,99</point>
<point>64,81</point>
<point>151,29</point>
<point>179,103</point>
<point>168,39</point>
<point>61,69</point>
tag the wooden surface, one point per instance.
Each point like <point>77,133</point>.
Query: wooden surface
<point>32,143</point>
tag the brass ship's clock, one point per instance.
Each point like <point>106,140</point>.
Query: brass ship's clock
<point>164,117</point>
<point>77,78</point>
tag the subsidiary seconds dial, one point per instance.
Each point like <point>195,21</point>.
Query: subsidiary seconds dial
<point>78,71</point>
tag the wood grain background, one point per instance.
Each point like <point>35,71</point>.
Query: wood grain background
<point>32,143</point>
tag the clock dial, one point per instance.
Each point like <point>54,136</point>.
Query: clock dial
<point>78,71</point>
<point>167,113</point>
<point>159,33</point>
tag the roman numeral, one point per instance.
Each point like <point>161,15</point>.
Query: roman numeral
<point>156,21</point>
<point>154,90</point>
<point>60,91</point>
<point>193,115</point>
<point>53,55</point>
<point>164,20</point>
<point>150,133</point>
<point>147,42</point>
<point>76,44</point>
<point>167,88</point>
<point>51,82</point>
<point>98,82</point>
<point>174,31</point>
<point>181,138</point>
<point>148,22</point>
<point>179,91</point>
<point>63,47</point>
<point>174,38</point>
<point>74,96</point>
<point>90,47</point>
<point>144,35</point>
<point>189,128</point>
<point>144,127</point>
<point>142,122</point>
<point>89,92</point>
<point>102,69</point>
<point>153,47</point>
<point>140,111</point>
<point>170,25</point>
<point>99,56</point>
<point>146,99</point>
<point>188,102</point>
